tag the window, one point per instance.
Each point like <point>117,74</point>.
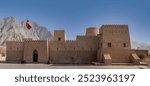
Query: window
<point>124,45</point>
<point>59,39</point>
<point>109,44</point>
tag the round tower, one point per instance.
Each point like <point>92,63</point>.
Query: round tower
<point>92,31</point>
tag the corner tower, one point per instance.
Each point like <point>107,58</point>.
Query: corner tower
<point>114,43</point>
<point>115,36</point>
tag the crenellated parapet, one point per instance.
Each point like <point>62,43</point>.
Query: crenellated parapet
<point>114,25</point>
<point>14,45</point>
<point>35,41</point>
<point>17,41</point>
<point>67,41</point>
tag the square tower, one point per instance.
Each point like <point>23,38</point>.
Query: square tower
<point>59,35</point>
<point>115,42</point>
<point>115,36</point>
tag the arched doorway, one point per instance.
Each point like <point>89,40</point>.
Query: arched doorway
<point>35,56</point>
<point>72,60</point>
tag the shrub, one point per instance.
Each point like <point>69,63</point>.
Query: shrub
<point>141,55</point>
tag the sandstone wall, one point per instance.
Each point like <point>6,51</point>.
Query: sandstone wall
<point>82,50</point>
<point>88,42</point>
<point>114,40</point>
<point>118,55</point>
<point>117,35</point>
<point>73,57</point>
<point>59,35</point>
<point>42,48</point>
<point>14,51</point>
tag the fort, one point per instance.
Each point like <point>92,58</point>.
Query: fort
<point>107,44</point>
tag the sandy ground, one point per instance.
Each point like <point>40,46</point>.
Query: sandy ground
<point>56,66</point>
<point>51,66</point>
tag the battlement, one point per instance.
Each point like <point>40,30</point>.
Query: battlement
<point>14,45</point>
<point>84,36</point>
<point>70,41</point>
<point>114,29</point>
<point>62,41</point>
<point>81,37</point>
<point>35,40</point>
<point>113,25</point>
<point>66,41</point>
<point>15,41</point>
<point>26,41</point>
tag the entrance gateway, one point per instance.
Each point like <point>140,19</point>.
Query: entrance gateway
<point>35,56</point>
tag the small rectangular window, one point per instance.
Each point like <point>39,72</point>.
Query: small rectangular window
<point>109,44</point>
<point>124,45</point>
<point>59,39</point>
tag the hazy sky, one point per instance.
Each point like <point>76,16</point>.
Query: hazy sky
<point>75,15</point>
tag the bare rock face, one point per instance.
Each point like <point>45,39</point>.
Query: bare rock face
<point>12,29</point>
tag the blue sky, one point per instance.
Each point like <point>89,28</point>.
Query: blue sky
<point>75,15</point>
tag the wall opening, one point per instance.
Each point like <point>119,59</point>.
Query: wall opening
<point>109,44</point>
<point>124,45</point>
<point>72,60</point>
<point>35,56</point>
<point>59,38</point>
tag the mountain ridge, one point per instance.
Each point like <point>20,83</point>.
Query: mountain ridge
<point>12,29</point>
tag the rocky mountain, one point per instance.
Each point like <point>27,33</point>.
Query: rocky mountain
<point>13,29</point>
